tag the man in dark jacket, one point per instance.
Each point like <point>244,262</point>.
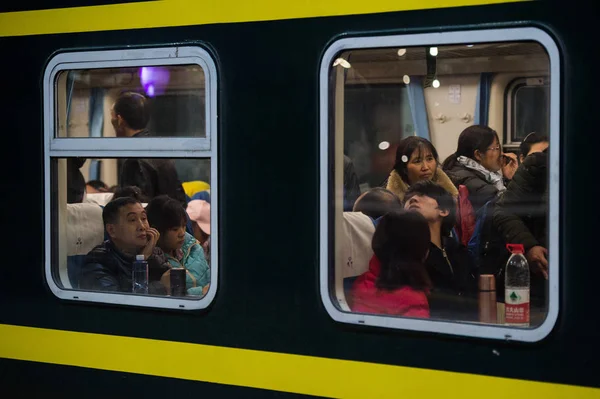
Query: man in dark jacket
<point>520,214</point>
<point>448,264</point>
<point>129,116</point>
<point>108,266</point>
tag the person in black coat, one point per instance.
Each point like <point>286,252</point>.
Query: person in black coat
<point>450,268</point>
<point>108,267</point>
<point>480,165</point>
<point>75,181</point>
<point>129,116</point>
<point>520,213</point>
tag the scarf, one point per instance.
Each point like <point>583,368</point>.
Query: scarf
<point>494,178</point>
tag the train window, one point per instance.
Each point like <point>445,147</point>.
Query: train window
<point>415,228</point>
<point>526,107</point>
<point>130,174</point>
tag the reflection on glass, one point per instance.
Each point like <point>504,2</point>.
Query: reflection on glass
<point>137,236</point>
<point>531,110</point>
<point>411,148</point>
<point>158,101</point>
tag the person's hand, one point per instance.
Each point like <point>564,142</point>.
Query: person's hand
<point>153,236</point>
<point>537,258</point>
<point>205,289</point>
<point>509,165</point>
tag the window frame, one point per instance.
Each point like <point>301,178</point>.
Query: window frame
<point>327,139</point>
<point>510,94</point>
<point>140,147</point>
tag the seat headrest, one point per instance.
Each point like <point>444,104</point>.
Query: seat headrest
<point>98,198</point>
<point>355,249</point>
<point>85,228</point>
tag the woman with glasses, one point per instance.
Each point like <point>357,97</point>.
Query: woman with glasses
<point>480,165</point>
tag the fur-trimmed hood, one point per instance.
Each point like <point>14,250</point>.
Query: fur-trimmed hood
<point>396,185</point>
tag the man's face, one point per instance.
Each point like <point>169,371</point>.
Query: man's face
<point>130,231</point>
<point>426,206</point>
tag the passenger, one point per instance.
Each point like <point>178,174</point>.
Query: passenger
<point>130,191</point>
<point>416,160</point>
<point>108,266</point>
<point>448,264</point>
<point>181,249</point>
<point>129,116</point>
<point>479,164</point>
<point>377,202</point>
<point>199,213</point>
<point>520,214</point>
<point>351,186</point>
<point>192,187</point>
<point>75,181</point>
<point>533,142</point>
<point>396,282</point>
<point>96,186</point>
<point>202,195</point>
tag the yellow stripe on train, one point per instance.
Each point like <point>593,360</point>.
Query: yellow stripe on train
<point>265,370</point>
<point>154,14</point>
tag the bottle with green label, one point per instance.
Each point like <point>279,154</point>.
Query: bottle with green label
<point>517,285</point>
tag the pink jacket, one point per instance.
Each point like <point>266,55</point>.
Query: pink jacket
<point>367,298</point>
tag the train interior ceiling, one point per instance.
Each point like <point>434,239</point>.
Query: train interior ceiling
<point>392,93</point>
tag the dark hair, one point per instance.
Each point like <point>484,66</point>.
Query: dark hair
<point>475,137</point>
<point>529,140</point>
<point>130,191</point>
<point>165,212</point>
<point>401,242</point>
<point>134,109</point>
<point>406,147</point>
<point>110,213</point>
<point>377,202</point>
<point>98,185</point>
<point>75,181</point>
<point>444,199</point>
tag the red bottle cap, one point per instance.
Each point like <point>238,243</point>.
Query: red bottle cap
<point>515,248</point>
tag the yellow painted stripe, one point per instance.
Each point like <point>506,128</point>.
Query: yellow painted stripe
<point>193,12</point>
<point>266,370</point>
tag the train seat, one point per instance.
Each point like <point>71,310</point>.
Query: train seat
<point>355,249</point>
<point>85,230</point>
<point>98,198</point>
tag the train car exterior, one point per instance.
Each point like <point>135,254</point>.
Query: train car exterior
<point>264,329</point>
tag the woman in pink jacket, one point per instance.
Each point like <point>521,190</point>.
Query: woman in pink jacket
<point>396,282</point>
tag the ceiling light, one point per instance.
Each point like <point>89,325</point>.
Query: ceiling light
<point>384,145</point>
<point>342,62</point>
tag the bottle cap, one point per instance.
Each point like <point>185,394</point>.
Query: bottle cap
<point>139,257</point>
<point>515,248</point>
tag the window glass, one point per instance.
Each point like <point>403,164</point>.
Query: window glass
<point>136,217</point>
<point>432,219</point>
<point>105,221</point>
<point>530,100</point>
<point>376,118</point>
<point>174,101</point>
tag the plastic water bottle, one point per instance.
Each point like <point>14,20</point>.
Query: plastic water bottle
<point>516,294</point>
<point>139,275</point>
